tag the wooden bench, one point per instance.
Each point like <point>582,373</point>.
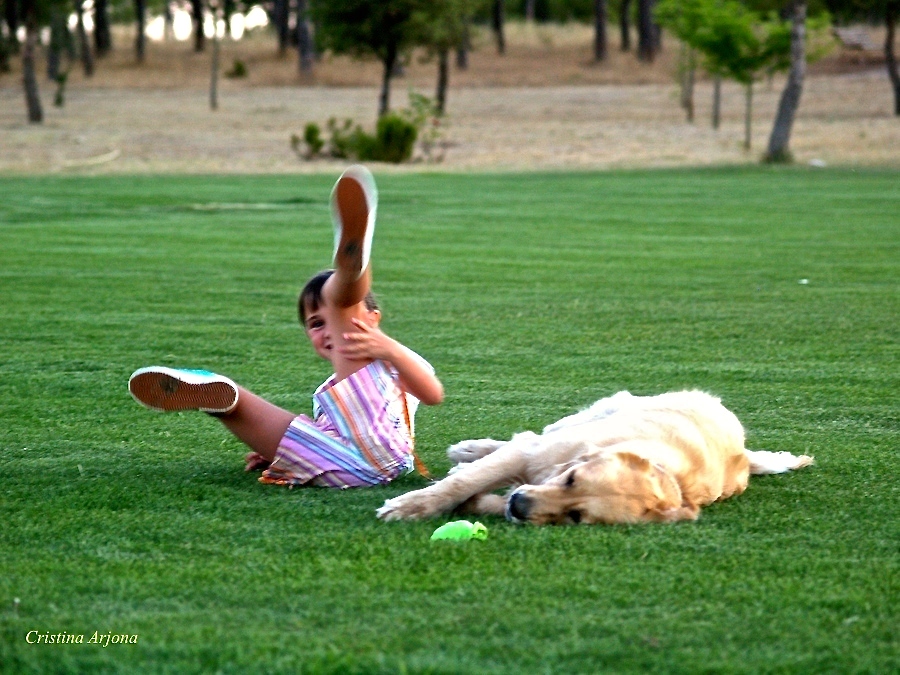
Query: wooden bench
<point>856,39</point>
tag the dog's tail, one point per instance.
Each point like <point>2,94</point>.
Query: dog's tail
<point>763,461</point>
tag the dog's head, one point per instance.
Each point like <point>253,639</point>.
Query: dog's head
<point>617,487</point>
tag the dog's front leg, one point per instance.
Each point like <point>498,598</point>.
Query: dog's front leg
<point>465,452</point>
<point>483,504</point>
<point>494,471</point>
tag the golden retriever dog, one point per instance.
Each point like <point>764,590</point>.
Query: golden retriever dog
<point>626,459</point>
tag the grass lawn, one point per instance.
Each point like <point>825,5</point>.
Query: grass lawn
<point>533,295</point>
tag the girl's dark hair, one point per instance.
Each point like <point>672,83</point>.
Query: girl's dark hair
<point>311,296</point>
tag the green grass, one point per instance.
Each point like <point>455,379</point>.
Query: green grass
<point>533,295</point>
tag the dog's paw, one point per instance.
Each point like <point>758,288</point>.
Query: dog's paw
<point>468,451</point>
<point>415,505</point>
<point>459,467</point>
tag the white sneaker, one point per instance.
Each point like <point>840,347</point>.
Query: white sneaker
<point>169,389</point>
<point>354,200</point>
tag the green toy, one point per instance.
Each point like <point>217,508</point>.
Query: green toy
<point>459,530</point>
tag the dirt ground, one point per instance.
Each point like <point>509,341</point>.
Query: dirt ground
<point>543,105</point>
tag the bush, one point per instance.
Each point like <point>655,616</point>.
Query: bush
<point>238,69</point>
<point>312,136</point>
<point>345,140</point>
<point>394,139</point>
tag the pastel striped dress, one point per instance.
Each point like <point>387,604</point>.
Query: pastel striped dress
<point>358,435</point>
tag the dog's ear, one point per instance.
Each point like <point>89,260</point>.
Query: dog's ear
<point>634,461</point>
<point>669,503</point>
<point>685,512</point>
<point>583,451</point>
<point>560,469</point>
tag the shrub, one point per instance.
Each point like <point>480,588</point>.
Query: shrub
<point>238,69</point>
<point>395,138</point>
<point>344,138</point>
<point>312,136</point>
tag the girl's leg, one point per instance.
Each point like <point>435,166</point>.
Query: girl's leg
<point>259,424</point>
<point>354,201</point>
<point>255,421</point>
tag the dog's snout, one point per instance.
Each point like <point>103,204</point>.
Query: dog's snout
<point>518,507</point>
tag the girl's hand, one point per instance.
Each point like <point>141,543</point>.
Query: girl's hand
<point>369,343</point>
<point>416,376</point>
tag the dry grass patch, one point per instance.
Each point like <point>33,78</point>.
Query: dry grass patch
<point>544,104</point>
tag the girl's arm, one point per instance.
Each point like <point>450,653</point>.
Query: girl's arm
<point>415,373</point>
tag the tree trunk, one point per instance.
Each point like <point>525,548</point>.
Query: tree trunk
<point>529,10</point>
<point>462,50</point>
<point>497,21</point>
<point>84,44</point>
<point>168,23</point>
<point>197,20</point>
<point>11,13</point>
<point>389,63</point>
<point>891,14</point>
<point>29,79</point>
<point>102,34</point>
<point>748,115</point>
<point>58,38</point>
<point>214,61</point>
<point>717,102</point>
<point>648,39</point>
<point>779,140</point>
<point>140,39</point>
<point>281,12</point>
<point>4,51</point>
<point>440,96</point>
<point>599,30</point>
<point>624,25</point>
<point>305,47</point>
<point>688,69</point>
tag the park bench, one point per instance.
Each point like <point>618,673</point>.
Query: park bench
<point>856,39</point>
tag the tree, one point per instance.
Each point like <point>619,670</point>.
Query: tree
<point>790,97</point>
<point>6,43</point>
<point>447,28</point>
<point>386,30</point>
<point>305,48</point>
<point>29,78</point>
<point>648,31</point>
<point>892,13</point>
<point>735,42</point>
<point>11,15</point>
<point>624,25</point>
<point>140,42</point>
<point>281,17</point>
<point>684,20</point>
<point>498,19</point>
<point>600,30</point>
<point>197,20</point>
<point>214,10</point>
<point>102,32</point>
<point>84,45</point>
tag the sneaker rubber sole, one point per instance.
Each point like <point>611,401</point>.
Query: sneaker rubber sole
<point>354,201</point>
<point>169,390</point>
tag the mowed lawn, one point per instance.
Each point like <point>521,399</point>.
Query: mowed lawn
<point>533,295</point>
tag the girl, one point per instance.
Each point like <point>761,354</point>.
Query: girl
<point>361,431</point>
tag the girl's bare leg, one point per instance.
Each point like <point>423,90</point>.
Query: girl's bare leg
<point>258,423</point>
<point>353,203</point>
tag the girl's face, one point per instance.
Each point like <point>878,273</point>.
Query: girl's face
<point>325,326</point>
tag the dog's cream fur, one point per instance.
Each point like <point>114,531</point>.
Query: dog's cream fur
<point>626,459</point>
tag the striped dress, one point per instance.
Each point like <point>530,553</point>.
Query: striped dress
<point>358,435</point>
